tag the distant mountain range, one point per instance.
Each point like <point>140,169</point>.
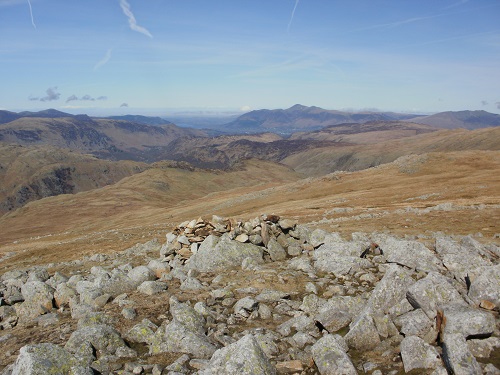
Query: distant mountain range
<point>114,139</point>
<point>301,118</point>
<point>461,119</point>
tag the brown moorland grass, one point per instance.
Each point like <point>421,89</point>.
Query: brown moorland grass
<point>455,193</point>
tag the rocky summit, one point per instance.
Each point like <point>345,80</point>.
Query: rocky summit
<point>266,296</point>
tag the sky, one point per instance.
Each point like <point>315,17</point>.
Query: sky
<point>162,56</point>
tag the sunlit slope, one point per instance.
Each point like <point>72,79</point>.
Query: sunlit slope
<point>320,161</point>
<point>456,193</point>
<point>31,173</point>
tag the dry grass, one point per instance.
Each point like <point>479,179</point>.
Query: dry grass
<point>391,198</point>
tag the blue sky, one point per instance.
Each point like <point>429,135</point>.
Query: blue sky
<point>161,56</point>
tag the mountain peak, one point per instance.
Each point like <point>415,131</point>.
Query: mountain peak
<point>297,107</point>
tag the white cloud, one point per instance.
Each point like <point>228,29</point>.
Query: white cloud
<point>131,19</point>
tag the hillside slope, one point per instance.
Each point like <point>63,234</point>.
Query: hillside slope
<point>460,119</point>
<point>454,192</point>
<point>113,139</point>
<point>31,173</point>
<point>321,161</point>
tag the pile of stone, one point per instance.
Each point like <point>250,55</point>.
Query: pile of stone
<point>266,296</point>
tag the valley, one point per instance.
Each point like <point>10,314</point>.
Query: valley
<point>99,198</point>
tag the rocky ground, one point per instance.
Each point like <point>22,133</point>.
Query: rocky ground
<point>266,296</point>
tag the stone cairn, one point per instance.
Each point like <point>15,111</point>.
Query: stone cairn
<point>265,296</point>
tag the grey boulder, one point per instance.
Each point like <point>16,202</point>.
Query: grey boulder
<point>244,357</point>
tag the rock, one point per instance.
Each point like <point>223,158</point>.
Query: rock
<point>129,313</point>
<point>329,355</point>
<point>269,295</point>
<point>42,359</point>
<point>363,334</point>
<point>416,323</point>
<point>244,357</point>
<point>458,259</point>
<point>300,323</point>
<point>191,283</point>
<point>242,238</point>
<point>390,290</point>
<point>457,357</point>
<point>311,303</point>
<point>152,287</point>
<point>245,306</point>
<point>468,321</point>
<point>102,300</point>
<point>287,224</point>
<point>142,332</point>
<point>102,337</point>
<point>56,279</point>
<point>276,251</point>
<point>265,311</point>
<point>339,265</point>
<point>482,348</point>
<point>38,274</point>
<point>95,318</point>
<point>38,298</point>
<point>187,316</point>
<point>417,354</point>
<point>301,264</point>
<point>8,317</point>
<point>159,267</point>
<point>411,254</point>
<point>178,338</point>
<point>486,285</point>
<point>140,274</point>
<point>432,292</point>
<point>216,255</point>
<point>289,367</point>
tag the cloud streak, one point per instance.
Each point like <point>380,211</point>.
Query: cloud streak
<point>293,14</point>
<point>31,14</point>
<point>104,60</point>
<point>85,98</point>
<point>131,19</point>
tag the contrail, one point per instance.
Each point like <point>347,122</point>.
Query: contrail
<point>131,19</point>
<point>293,14</point>
<point>31,13</point>
<point>104,60</point>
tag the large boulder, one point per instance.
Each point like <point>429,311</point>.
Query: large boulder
<point>38,299</point>
<point>185,334</point>
<point>457,357</point>
<point>244,357</point>
<point>42,359</point>
<point>433,292</point>
<point>363,334</point>
<point>485,285</point>
<point>329,355</point>
<point>178,338</point>
<point>417,354</point>
<point>411,254</point>
<point>102,337</point>
<point>390,290</point>
<point>458,259</point>
<point>468,321</point>
<point>217,254</point>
